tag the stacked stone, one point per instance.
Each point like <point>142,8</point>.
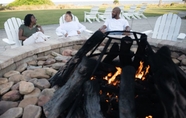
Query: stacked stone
<point>25,90</point>
<point>179,59</point>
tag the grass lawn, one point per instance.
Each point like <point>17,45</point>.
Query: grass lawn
<point>46,17</point>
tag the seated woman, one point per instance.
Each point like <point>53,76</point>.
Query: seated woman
<point>29,32</point>
<point>70,27</point>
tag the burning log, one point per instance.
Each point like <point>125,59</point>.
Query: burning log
<point>64,96</point>
<point>143,51</point>
<point>92,99</point>
<point>126,94</point>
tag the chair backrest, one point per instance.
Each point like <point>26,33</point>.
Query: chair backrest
<point>12,28</point>
<point>62,19</point>
<point>94,11</point>
<point>107,13</point>
<point>167,27</point>
<point>142,8</point>
<point>122,9</point>
<point>132,9</point>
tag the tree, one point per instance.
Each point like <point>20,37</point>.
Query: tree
<point>116,2</point>
<point>30,2</point>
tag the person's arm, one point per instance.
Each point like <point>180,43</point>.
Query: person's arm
<point>103,28</point>
<point>21,37</point>
<point>60,31</point>
<point>127,28</point>
<point>81,28</point>
<point>40,28</point>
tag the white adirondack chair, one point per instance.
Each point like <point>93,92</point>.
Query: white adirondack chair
<point>106,14</point>
<point>167,27</point>
<point>130,13</point>
<point>140,12</point>
<point>74,18</point>
<point>92,14</point>
<point>11,28</point>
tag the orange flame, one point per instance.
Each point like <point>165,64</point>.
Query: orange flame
<point>111,78</point>
<point>148,116</point>
<point>140,73</point>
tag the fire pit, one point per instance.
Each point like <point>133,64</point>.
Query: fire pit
<point>118,82</point>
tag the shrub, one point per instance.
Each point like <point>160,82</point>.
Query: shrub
<point>30,2</point>
<point>116,2</point>
<point>172,4</point>
<point>2,7</point>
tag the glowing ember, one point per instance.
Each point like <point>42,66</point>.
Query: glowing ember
<point>148,116</point>
<point>111,78</point>
<point>141,72</point>
<point>100,92</point>
<point>92,78</point>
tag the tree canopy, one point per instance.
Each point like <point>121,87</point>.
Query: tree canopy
<point>116,1</point>
<point>30,2</point>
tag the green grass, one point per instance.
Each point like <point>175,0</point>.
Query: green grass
<point>46,17</point>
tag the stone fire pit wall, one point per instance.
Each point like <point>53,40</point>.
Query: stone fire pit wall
<point>12,58</point>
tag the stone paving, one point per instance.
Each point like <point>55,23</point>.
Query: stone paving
<point>139,25</point>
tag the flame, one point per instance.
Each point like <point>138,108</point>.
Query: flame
<point>149,116</point>
<point>140,73</point>
<point>111,78</point>
<point>92,78</point>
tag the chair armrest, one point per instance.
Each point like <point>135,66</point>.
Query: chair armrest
<point>147,32</point>
<point>100,13</point>
<point>181,36</point>
<point>89,31</point>
<point>85,12</point>
<point>59,34</point>
<point>8,41</point>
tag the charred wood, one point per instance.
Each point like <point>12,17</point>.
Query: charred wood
<point>113,53</point>
<point>171,93</point>
<point>75,110</point>
<point>92,99</point>
<point>143,51</point>
<point>104,68</point>
<point>181,77</point>
<point>127,93</point>
<point>64,96</point>
<point>126,55</point>
<point>78,113</point>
